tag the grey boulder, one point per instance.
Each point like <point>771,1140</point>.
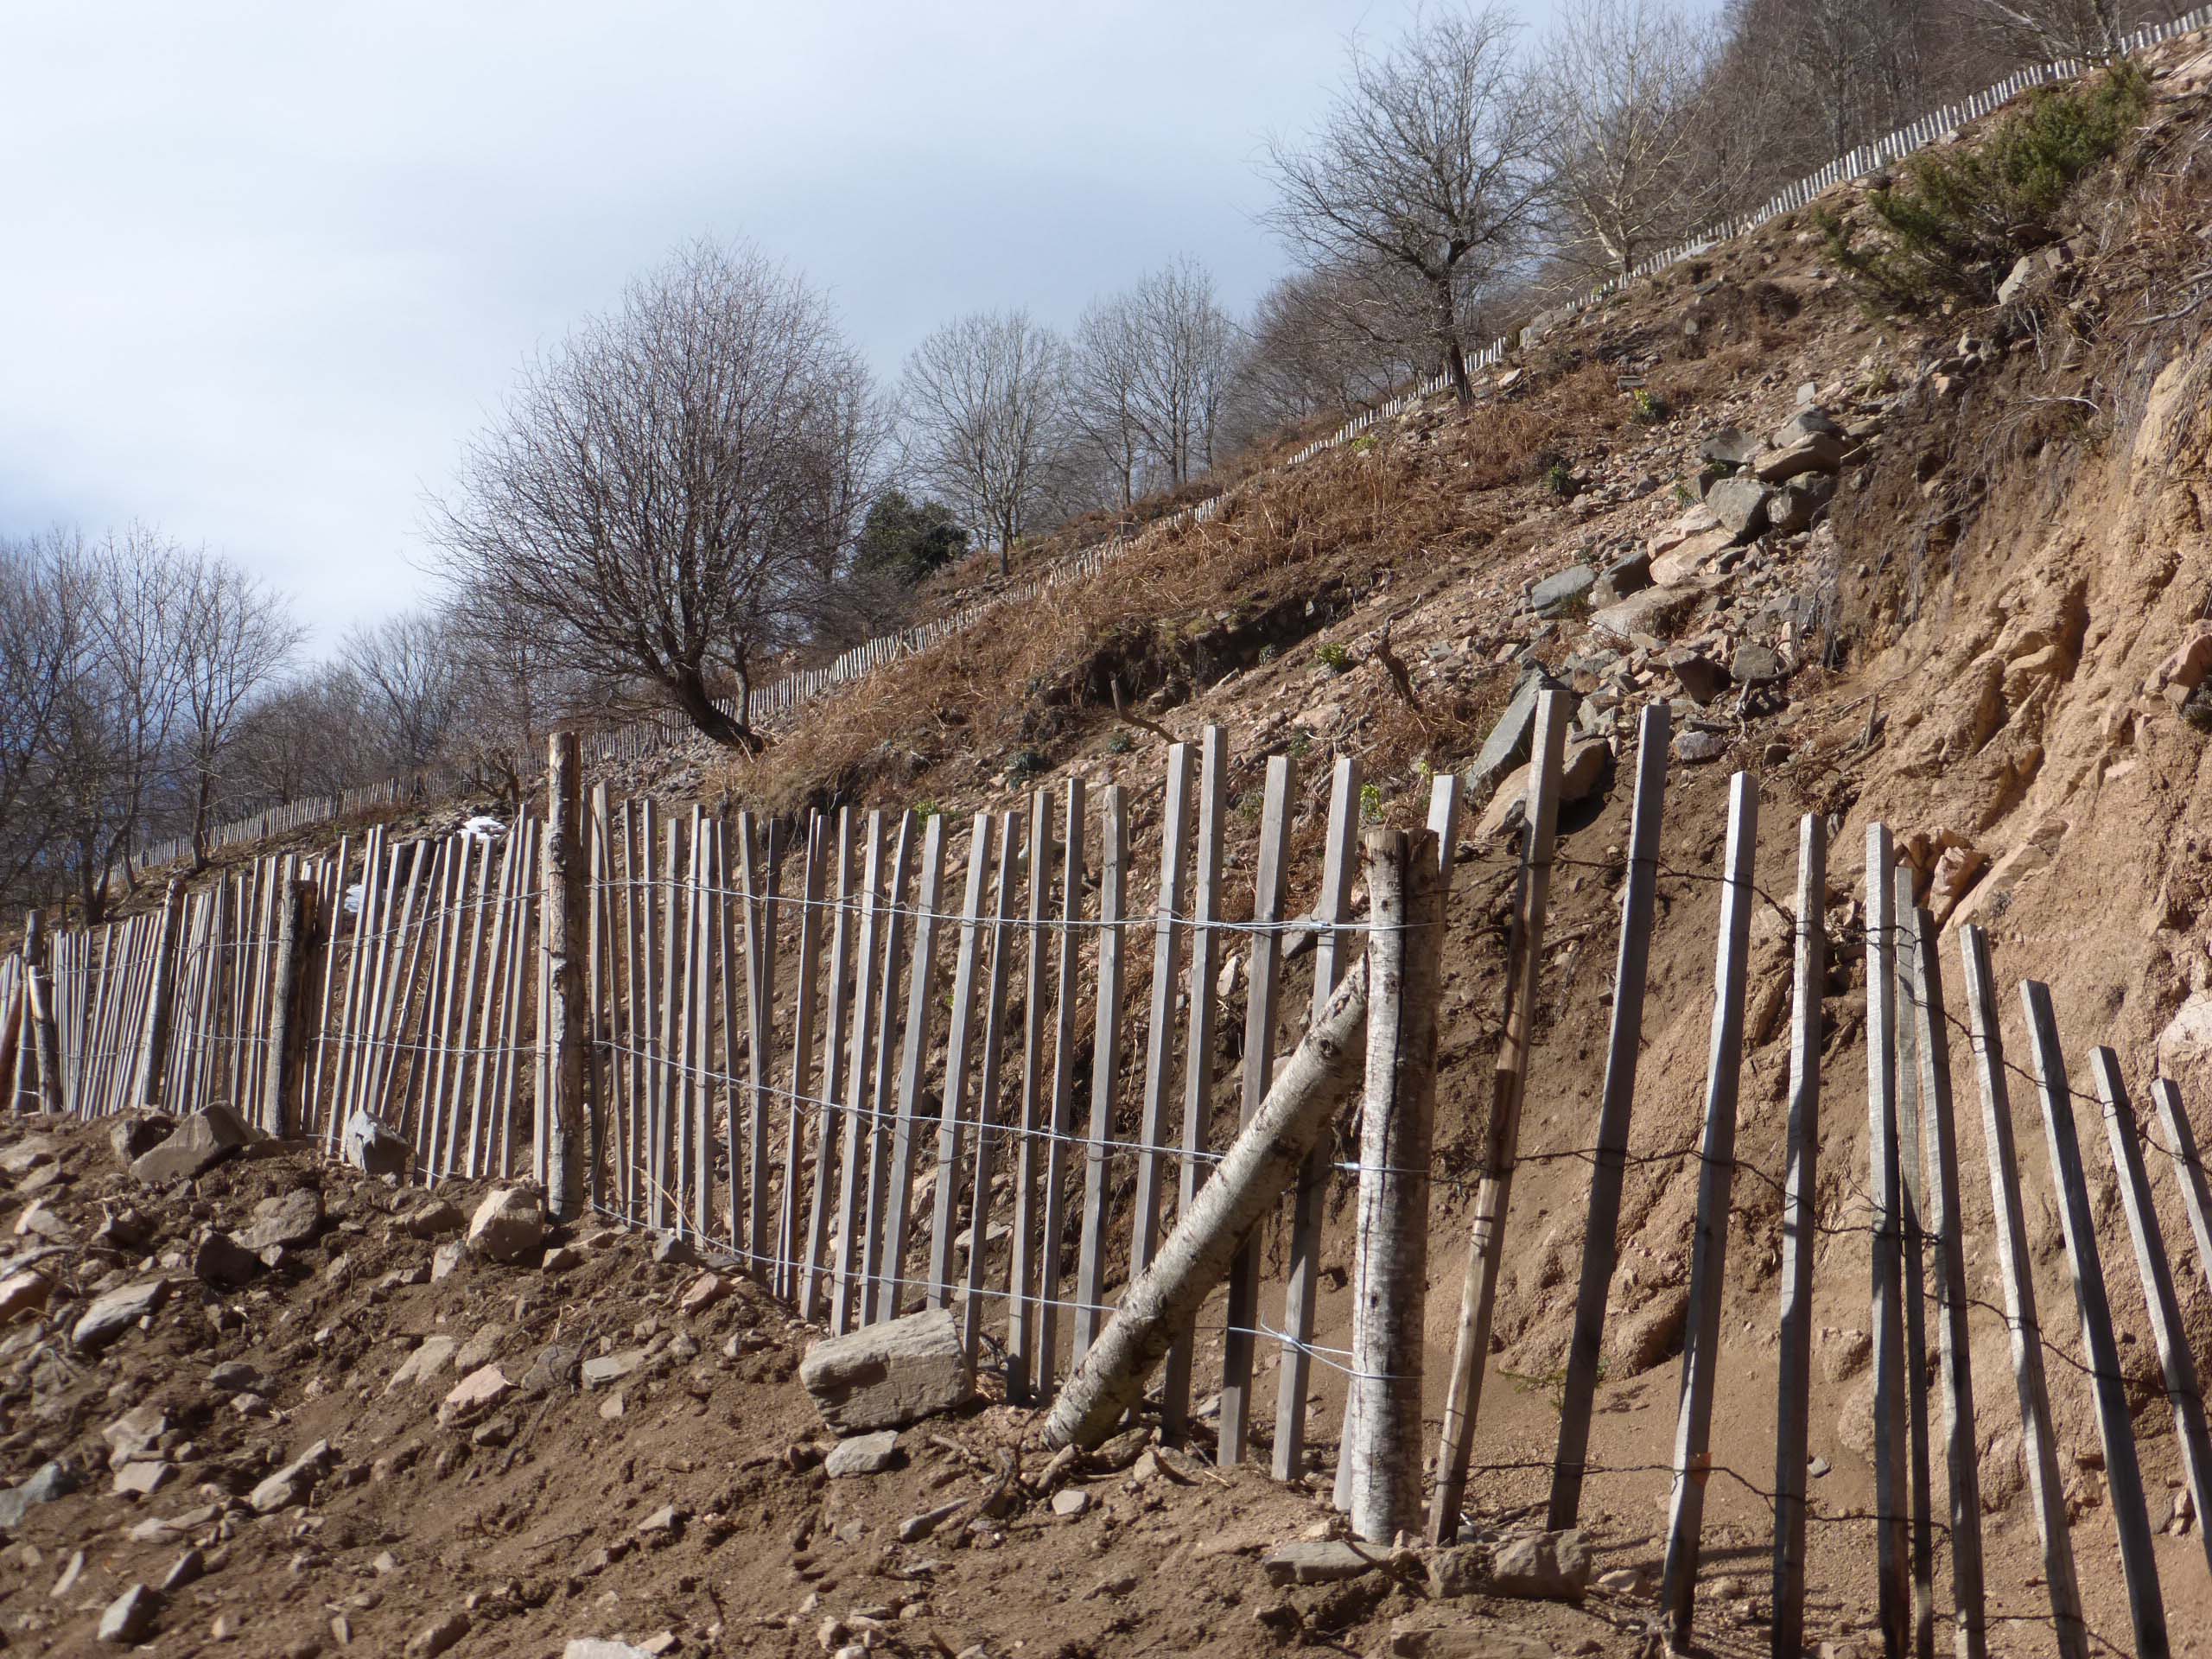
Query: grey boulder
<point>890,1375</point>
<point>193,1147</point>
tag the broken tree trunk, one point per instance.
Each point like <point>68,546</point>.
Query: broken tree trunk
<point>1257,1170</point>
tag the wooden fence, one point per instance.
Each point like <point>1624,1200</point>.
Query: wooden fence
<point>890,1063</point>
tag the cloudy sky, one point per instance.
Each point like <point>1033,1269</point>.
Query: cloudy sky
<point>269,264</point>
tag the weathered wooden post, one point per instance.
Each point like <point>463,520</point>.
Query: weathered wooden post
<point>1709,1244</point>
<point>2189,1169</point>
<point>1601,1237</point>
<point>561,938</point>
<point>1800,1224</point>
<point>1478,1293</point>
<point>154,1041</point>
<point>44,1046</point>
<point>2039,1446</point>
<point>2130,1515</point>
<point>1886,1181</point>
<point>1397,1121</point>
<point>288,1017</point>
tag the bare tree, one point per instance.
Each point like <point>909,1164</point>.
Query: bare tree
<point>2063,29</point>
<point>1185,346</point>
<point>34,655</point>
<point>1622,83</point>
<point>1430,161</point>
<point>1105,384</point>
<point>985,405</point>
<point>663,489</point>
<point>408,668</point>
<point>234,635</point>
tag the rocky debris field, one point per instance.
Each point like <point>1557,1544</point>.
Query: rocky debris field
<point>259,1404</point>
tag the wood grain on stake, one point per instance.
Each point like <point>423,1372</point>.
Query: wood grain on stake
<point>1199,1044</point>
<point>1800,1228</point>
<point>1105,1069</point>
<point>1891,1547</point>
<point>953,1102</point>
<point>879,1111</point>
<point>842,1281</point>
<point>921,997</point>
<point>990,1114</point>
<point>1478,1292</point>
<point>1913,1238</point>
<point>1021,1250</point>
<point>1709,1244</point>
<point>827,1111</point>
<point>1624,1041</point>
<point>1939,1153</point>
<point>2175,1364</point>
<point>1159,1030</point>
<point>1305,1265</point>
<point>1239,1341</point>
<point>1060,1123</point>
<point>795,1115</point>
<point>2077,1220</point>
<point>2015,1258</point>
<point>2189,1170</point>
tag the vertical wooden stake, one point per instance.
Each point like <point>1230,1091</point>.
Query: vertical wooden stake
<point>2039,1448</point>
<point>2176,1363</point>
<point>1914,1237</point>
<point>1240,1340</point>
<point>154,1046</point>
<point>1800,1224</point>
<point>796,1116</point>
<point>1478,1292</point>
<point>45,1045</point>
<point>1062,1121</point>
<point>1312,1191</point>
<point>881,1116</point>
<point>561,936</point>
<point>2131,1516</point>
<point>921,995</point>
<point>952,1132</point>
<point>1023,1250</point>
<point>827,1113</point>
<point>1940,1154</point>
<point>1105,1072</point>
<point>279,1112</point>
<point>1892,1533</point>
<point>842,1281</point>
<point>1601,1235</point>
<point>1709,1246</point>
<point>1167,931</point>
<point>2189,1170</point>
<point>1397,1119</point>
<point>1199,1054</point>
<point>988,1113</point>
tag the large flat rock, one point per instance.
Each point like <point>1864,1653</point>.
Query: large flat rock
<point>890,1375</point>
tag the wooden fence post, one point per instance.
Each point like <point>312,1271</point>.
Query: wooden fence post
<point>288,1020</point>
<point>1022,1373</point>
<point>1478,1294</point>
<point>2176,1363</point>
<point>1800,1224</point>
<point>2189,1170</point>
<point>1397,1119</point>
<point>153,1043</point>
<point>1601,1237</point>
<point>2040,1446</point>
<point>1940,1154</point>
<point>1892,1523</point>
<point>1913,1236</point>
<point>1240,1340</point>
<point>2130,1515</point>
<point>1709,1245</point>
<point>1105,1072</point>
<point>952,1105</point>
<point>988,1116</point>
<point>45,1044</point>
<point>1061,1118</point>
<point>561,938</point>
<point>1306,1216</point>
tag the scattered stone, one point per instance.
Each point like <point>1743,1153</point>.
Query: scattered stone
<point>70,1574</point>
<point>508,1226</point>
<point>1459,1640</point>
<point>1695,747</point>
<point>373,1149</point>
<point>916,1528</point>
<point>1656,612</point>
<point>1508,744</point>
<point>195,1147</point>
<point>291,1484</point>
<point>131,1138</point>
<point>1563,589</point>
<point>1580,769</point>
<point>604,1369</point>
<point>864,1454</point>
<point>667,1518</point>
<point>1740,506</point>
<point>706,1290</point>
<point>1629,575</point>
<point>1542,1567</point>
<point>1071,1502</point>
<point>479,1391</point>
<point>188,1569</point>
<point>292,1219</point>
<point>142,1479</point>
<point>1639,1340</point>
<point>592,1647</point>
<point>563,1258</point>
<point>890,1375</point>
<point>1730,446</point>
<point>1757,665</point>
<point>41,1221</point>
<point>1622,1581</point>
<point>1327,1561</point>
<point>111,1315</point>
<point>23,1293</point>
<point>233,1376</point>
<point>447,1260</point>
<point>428,1358</point>
<point>433,1220</point>
<point>130,1616</point>
<point>1795,506</point>
<point>433,1639</point>
<point>482,1349</point>
<point>27,1154</point>
<point>555,1367</point>
<point>220,1260</point>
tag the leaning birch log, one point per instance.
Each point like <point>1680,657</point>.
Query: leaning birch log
<point>1256,1171</point>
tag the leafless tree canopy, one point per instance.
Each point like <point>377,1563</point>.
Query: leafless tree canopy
<point>667,488</point>
<point>1430,161</point>
<point>986,402</point>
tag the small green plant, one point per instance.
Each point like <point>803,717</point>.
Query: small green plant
<point>1363,443</point>
<point>924,811</point>
<point>1424,774</point>
<point>1684,494</point>
<point>1269,653</point>
<point>1027,764</point>
<point>1558,478</point>
<point>2196,709</point>
<point>1954,226</point>
<point>1120,742</point>
<point>1300,743</point>
<point>1371,804</point>
<point>1647,408</point>
<point>1334,657</point>
<point>1250,805</point>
